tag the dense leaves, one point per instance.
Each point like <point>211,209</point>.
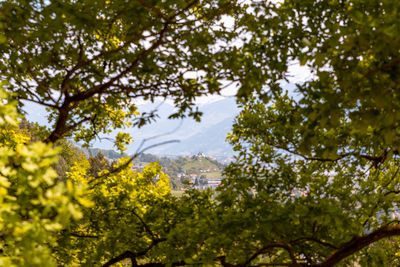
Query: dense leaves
<point>316,178</point>
<point>318,166</point>
<point>86,61</point>
<point>34,205</point>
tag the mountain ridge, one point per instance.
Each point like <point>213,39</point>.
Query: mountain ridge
<point>207,136</point>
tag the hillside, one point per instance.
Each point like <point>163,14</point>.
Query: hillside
<point>178,169</point>
<point>184,168</point>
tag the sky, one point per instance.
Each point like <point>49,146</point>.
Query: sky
<point>297,74</point>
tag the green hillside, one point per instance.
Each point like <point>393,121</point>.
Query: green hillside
<point>178,169</point>
<point>181,168</point>
<point>195,165</point>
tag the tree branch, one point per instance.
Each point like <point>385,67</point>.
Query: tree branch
<point>376,159</point>
<point>266,248</point>
<point>358,243</point>
<point>132,256</point>
<point>146,227</point>
<point>99,88</point>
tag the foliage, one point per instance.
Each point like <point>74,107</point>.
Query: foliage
<point>318,166</point>
<point>33,130</point>
<point>126,213</point>
<point>98,163</point>
<point>316,179</point>
<point>85,61</point>
<point>34,206</point>
<point>69,153</point>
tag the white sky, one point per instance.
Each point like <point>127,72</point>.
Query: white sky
<point>297,73</point>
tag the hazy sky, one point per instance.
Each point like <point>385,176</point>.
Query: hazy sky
<point>298,74</point>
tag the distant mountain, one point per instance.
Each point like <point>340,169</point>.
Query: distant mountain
<point>207,136</point>
<point>210,140</point>
<point>213,113</point>
<point>108,153</point>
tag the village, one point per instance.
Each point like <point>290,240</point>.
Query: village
<point>198,171</point>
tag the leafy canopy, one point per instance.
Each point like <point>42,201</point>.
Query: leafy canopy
<point>87,61</point>
<point>316,179</point>
<point>35,206</point>
<point>318,165</point>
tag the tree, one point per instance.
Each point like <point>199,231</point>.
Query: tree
<point>68,154</point>
<point>35,206</point>
<point>316,179</point>
<point>88,61</point>
<point>202,180</point>
<point>98,163</point>
<point>318,169</point>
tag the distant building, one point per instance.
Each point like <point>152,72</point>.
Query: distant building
<point>213,183</point>
<point>200,155</point>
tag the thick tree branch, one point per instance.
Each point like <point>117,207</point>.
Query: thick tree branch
<point>133,256</point>
<point>358,243</point>
<point>60,127</point>
<point>123,256</point>
<point>65,109</point>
